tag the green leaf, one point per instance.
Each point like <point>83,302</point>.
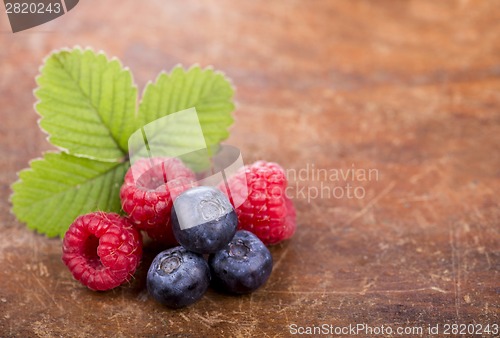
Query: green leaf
<point>87,104</point>
<point>88,107</point>
<point>175,135</point>
<point>60,187</point>
<point>208,91</point>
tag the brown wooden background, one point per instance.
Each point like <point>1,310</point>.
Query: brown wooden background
<point>410,88</point>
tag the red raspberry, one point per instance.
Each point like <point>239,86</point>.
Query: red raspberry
<point>266,211</point>
<point>148,191</point>
<point>102,250</point>
<point>163,234</point>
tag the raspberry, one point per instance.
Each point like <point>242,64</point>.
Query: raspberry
<point>163,234</point>
<point>266,210</point>
<point>147,193</point>
<point>102,250</point>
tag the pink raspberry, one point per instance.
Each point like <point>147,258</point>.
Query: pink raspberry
<point>266,211</point>
<point>148,192</point>
<point>102,250</point>
<point>163,234</point>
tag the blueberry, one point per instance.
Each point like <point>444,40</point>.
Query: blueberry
<point>203,220</point>
<point>178,278</point>
<point>243,265</point>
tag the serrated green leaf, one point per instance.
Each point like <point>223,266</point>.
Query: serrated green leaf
<point>208,91</point>
<point>87,104</point>
<point>175,135</point>
<point>60,187</point>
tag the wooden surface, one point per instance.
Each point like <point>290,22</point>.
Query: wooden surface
<point>411,89</point>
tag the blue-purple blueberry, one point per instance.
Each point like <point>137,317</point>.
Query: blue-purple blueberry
<point>203,219</point>
<point>177,277</point>
<point>243,265</point>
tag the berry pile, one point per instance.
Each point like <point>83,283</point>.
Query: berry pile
<point>161,198</point>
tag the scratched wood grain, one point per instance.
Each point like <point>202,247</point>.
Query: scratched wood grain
<point>409,89</point>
